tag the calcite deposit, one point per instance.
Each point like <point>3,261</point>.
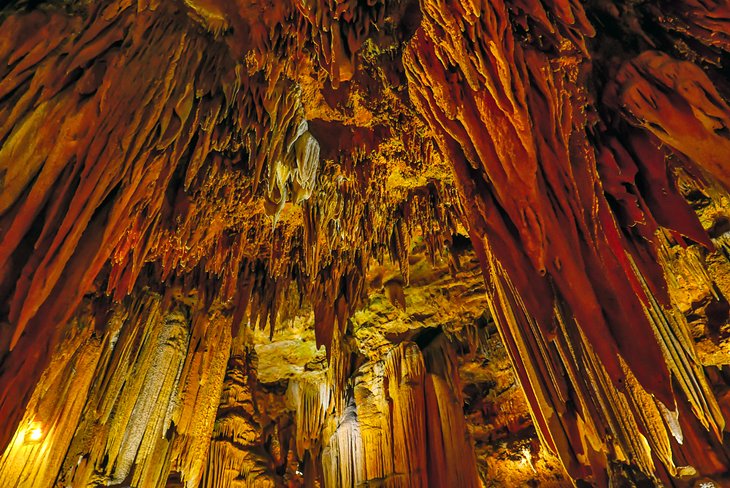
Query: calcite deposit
<point>364,243</point>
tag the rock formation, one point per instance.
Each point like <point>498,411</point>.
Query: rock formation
<point>364,242</point>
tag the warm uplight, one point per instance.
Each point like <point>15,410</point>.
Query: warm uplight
<point>34,433</point>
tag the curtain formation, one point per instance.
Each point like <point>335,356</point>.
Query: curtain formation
<point>177,175</point>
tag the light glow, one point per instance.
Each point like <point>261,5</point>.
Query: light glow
<point>34,432</point>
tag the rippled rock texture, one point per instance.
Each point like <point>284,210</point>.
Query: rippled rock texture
<point>364,242</point>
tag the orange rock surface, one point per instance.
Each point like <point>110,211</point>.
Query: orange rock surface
<point>197,195</point>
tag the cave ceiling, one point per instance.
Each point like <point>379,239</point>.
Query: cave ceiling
<point>341,242</point>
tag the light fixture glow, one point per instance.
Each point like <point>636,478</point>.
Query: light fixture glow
<point>34,432</point>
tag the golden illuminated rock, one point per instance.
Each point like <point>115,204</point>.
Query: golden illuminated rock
<point>350,243</point>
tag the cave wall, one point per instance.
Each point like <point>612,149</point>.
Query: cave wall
<point>176,174</point>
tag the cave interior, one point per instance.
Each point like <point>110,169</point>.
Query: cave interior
<point>364,243</point>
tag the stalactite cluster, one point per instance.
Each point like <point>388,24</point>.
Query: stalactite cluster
<point>178,177</point>
<point>568,290</point>
<point>171,172</point>
<point>140,398</point>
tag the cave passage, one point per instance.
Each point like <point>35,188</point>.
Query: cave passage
<point>356,243</point>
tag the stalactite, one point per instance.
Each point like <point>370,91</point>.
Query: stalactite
<point>373,416</point>
<point>151,349</point>
<point>532,112</point>
<point>176,176</point>
<point>236,457</point>
<point>146,407</point>
<point>36,462</point>
<point>678,103</point>
<point>451,457</point>
<point>201,383</point>
<point>405,376</point>
<point>344,454</point>
<point>73,247</point>
<point>706,21</point>
<point>311,402</point>
<point>178,183</point>
<point>338,29</point>
<point>404,425</point>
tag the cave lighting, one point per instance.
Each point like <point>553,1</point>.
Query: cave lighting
<point>34,432</point>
